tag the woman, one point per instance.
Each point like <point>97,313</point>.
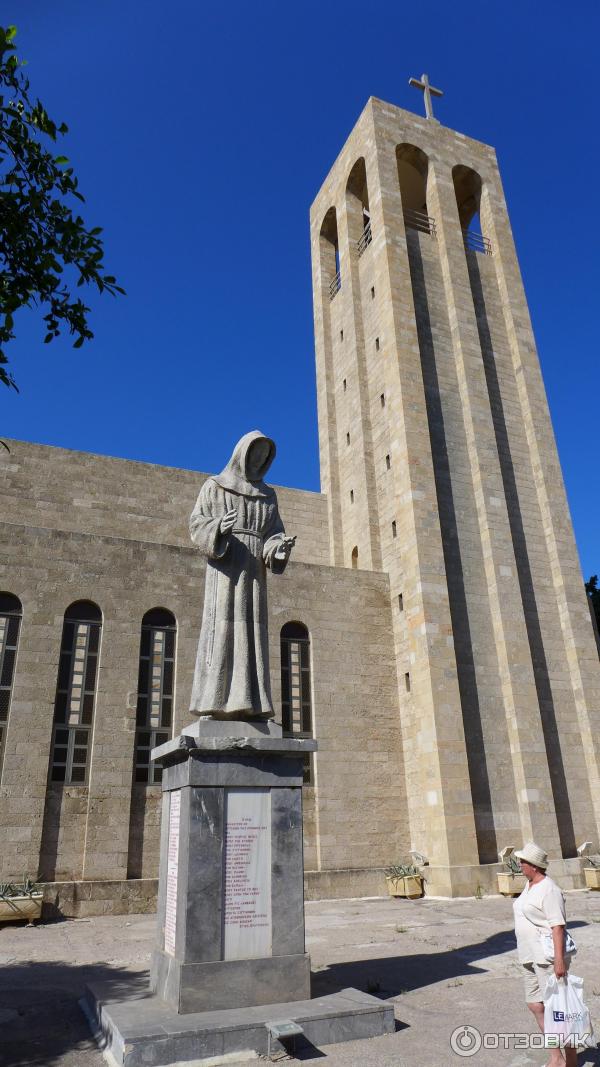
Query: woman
<point>540,910</point>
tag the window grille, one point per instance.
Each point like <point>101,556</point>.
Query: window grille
<point>10,622</point>
<point>365,240</point>
<point>418,220</point>
<point>75,693</point>
<point>296,687</point>
<point>335,285</point>
<point>156,678</point>
<point>476,242</point>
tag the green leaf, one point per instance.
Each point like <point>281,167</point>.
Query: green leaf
<point>11,33</point>
<point>78,343</point>
<point>61,159</point>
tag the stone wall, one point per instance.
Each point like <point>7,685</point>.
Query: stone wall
<point>107,829</point>
<point>59,489</point>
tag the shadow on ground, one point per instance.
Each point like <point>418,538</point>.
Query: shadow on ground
<point>388,976</point>
<point>40,1018</point>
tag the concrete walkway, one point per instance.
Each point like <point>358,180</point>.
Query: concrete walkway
<point>443,964</point>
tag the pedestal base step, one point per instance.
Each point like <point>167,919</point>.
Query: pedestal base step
<point>143,1031</point>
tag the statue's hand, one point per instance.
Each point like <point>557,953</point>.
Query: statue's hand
<point>284,548</point>
<point>228,521</point>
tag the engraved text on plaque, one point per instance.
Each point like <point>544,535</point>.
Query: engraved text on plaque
<point>172,862</point>
<point>247,884</point>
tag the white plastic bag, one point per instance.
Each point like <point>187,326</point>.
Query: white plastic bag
<point>565,1014</point>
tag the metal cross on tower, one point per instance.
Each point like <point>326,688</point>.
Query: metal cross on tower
<point>428,92</point>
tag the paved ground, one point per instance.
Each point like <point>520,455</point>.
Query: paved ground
<point>441,963</point>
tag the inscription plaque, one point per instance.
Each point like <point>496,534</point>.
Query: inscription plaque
<point>172,864</point>
<point>247,930</point>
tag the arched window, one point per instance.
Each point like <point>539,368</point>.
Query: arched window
<point>467,186</point>
<point>75,692</point>
<point>330,254</point>
<point>295,686</point>
<point>155,691</point>
<point>357,203</point>
<point>412,176</point>
<point>354,557</point>
<point>11,612</point>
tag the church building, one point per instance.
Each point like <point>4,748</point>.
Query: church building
<point>431,630</point>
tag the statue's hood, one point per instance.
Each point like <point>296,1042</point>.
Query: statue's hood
<point>234,476</point>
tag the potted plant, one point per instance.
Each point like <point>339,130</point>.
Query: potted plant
<point>511,880</point>
<point>404,880</point>
<point>592,872</point>
<point>20,901</point>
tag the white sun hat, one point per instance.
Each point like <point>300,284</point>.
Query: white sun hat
<point>532,853</point>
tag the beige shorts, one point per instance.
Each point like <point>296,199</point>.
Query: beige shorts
<point>535,975</point>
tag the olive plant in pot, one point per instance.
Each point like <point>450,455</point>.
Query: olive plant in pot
<point>511,880</point>
<point>18,902</point>
<point>592,872</point>
<point>404,880</point>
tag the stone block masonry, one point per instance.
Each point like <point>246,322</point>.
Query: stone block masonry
<point>440,467</point>
<point>107,828</point>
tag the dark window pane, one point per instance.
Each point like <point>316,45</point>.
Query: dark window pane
<point>90,673</point>
<point>58,774</point>
<point>158,773</point>
<point>293,630</point>
<point>161,739</point>
<point>167,711</point>
<point>64,671</point>
<point>81,737</point>
<point>145,642</point>
<point>168,679</point>
<point>141,717</point>
<point>170,643</point>
<point>13,631</point>
<point>88,709</point>
<point>67,638</point>
<point>4,702</point>
<point>94,638</point>
<point>304,654</point>
<point>7,667</point>
<point>61,737</point>
<point>60,754</point>
<point>60,707</point>
<point>143,677</point>
<point>78,774</point>
<point>10,603</point>
<point>285,718</point>
<point>141,774</point>
<point>143,739</point>
<point>80,755</point>
<point>159,618</point>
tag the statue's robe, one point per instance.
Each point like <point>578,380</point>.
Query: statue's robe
<point>231,678</point>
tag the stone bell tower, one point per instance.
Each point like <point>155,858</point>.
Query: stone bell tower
<point>440,467</point>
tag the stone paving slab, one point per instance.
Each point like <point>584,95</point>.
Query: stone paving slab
<point>440,964</point>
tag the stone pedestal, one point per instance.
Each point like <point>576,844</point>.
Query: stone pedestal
<point>230,925</point>
<point>229,963</point>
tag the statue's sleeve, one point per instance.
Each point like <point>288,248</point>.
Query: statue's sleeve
<point>205,521</point>
<point>273,536</point>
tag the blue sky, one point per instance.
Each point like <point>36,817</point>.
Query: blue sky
<point>201,134</point>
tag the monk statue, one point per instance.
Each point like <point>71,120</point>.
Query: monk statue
<point>236,525</point>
